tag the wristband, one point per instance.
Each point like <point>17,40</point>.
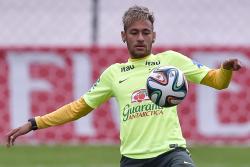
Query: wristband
<point>33,124</point>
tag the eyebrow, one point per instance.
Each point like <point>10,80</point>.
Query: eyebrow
<point>144,29</point>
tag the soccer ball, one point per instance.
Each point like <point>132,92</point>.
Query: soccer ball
<point>166,86</point>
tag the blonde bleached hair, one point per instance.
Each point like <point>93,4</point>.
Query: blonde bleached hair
<point>137,13</point>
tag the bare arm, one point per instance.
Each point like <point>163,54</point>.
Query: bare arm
<point>67,113</point>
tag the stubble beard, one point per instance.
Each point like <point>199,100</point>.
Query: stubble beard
<point>136,54</point>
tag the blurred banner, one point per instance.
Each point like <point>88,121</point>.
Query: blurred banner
<point>35,81</point>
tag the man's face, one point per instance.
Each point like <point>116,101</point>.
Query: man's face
<point>139,37</point>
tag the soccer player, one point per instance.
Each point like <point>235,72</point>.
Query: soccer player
<point>152,139</point>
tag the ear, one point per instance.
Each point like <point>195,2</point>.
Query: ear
<point>154,37</point>
<point>123,35</point>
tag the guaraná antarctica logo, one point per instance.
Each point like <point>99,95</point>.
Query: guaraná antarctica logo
<point>131,111</point>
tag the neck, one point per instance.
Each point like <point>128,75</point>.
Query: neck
<point>138,56</point>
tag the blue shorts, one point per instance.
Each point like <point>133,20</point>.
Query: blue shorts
<point>178,157</point>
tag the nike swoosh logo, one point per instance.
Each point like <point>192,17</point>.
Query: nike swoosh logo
<point>121,81</point>
<point>185,162</point>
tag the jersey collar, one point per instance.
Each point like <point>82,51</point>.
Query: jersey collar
<point>139,59</point>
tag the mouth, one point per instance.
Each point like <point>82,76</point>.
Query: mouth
<point>140,47</point>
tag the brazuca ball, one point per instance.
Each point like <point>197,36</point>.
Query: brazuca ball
<point>166,86</point>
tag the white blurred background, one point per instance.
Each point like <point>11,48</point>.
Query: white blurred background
<point>99,22</point>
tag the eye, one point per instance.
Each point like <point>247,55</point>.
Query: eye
<point>133,32</point>
<point>146,32</point>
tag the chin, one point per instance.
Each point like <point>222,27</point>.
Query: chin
<point>139,54</point>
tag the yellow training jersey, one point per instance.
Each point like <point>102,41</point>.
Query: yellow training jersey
<point>146,130</point>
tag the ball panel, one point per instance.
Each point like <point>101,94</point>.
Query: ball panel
<point>155,97</point>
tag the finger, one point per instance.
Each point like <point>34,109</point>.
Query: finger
<point>237,65</point>
<point>13,138</point>
<point>8,136</point>
<point>228,64</point>
<point>8,145</point>
<point>12,132</point>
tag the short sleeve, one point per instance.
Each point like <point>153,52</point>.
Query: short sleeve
<point>194,71</point>
<point>101,90</point>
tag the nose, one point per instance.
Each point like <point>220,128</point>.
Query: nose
<point>140,37</point>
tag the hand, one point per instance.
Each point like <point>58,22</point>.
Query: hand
<point>232,64</point>
<point>13,134</point>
